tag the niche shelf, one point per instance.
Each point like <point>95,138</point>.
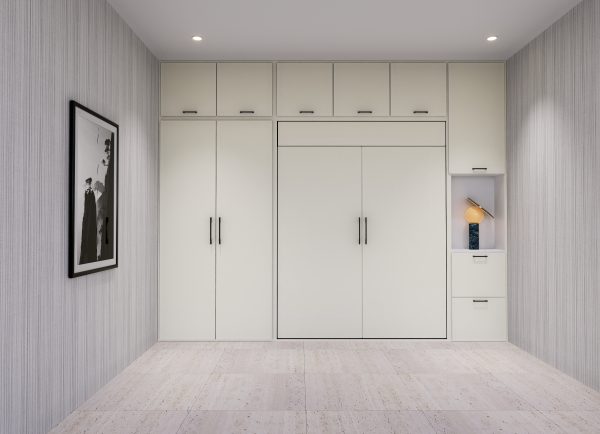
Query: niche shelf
<point>489,192</point>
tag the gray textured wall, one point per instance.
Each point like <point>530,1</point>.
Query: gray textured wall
<point>554,195</point>
<point>61,339</point>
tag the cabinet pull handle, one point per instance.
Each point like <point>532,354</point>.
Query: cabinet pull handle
<point>210,230</point>
<point>480,256</point>
<point>366,231</point>
<point>421,112</point>
<point>246,112</point>
<point>310,112</point>
<point>359,231</point>
<point>186,112</point>
<point>480,301</point>
<point>479,168</point>
<point>220,224</point>
<point>368,112</point>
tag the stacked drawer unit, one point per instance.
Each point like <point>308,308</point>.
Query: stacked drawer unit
<point>479,296</point>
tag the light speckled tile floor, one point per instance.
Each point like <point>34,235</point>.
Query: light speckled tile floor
<point>338,386</point>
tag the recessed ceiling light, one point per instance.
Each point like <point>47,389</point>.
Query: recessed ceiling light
<point>492,38</point>
<point>197,38</point>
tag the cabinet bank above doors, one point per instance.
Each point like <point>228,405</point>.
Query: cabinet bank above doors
<point>303,89</point>
<point>371,133</point>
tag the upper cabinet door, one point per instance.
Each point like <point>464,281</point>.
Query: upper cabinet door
<point>244,89</point>
<point>188,89</point>
<point>477,131</point>
<point>418,89</point>
<point>304,89</point>
<point>361,89</point>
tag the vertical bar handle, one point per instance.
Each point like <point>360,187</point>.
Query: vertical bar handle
<point>220,224</point>
<point>366,230</point>
<point>210,230</point>
<point>359,231</point>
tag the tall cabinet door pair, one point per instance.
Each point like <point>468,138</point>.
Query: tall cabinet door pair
<point>216,230</point>
<point>361,242</point>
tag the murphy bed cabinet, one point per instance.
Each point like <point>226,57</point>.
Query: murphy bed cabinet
<point>341,167</point>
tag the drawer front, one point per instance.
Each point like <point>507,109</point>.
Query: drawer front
<point>478,275</point>
<point>479,319</point>
<point>244,89</point>
<point>188,89</point>
<point>304,89</point>
<point>418,89</point>
<point>361,89</point>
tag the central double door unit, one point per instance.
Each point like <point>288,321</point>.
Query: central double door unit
<point>362,231</point>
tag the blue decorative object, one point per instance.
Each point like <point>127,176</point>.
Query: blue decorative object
<point>473,236</point>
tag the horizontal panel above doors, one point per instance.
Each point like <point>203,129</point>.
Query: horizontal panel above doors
<point>362,134</point>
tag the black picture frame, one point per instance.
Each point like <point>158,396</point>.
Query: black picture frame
<point>83,153</point>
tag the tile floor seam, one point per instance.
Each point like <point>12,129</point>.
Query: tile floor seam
<point>545,417</point>
<point>514,391</point>
<point>182,422</point>
<point>208,377</point>
<point>305,394</point>
<point>424,413</point>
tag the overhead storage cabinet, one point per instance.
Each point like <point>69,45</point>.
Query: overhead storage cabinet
<point>304,89</point>
<point>418,89</point>
<point>477,118</point>
<point>188,89</point>
<point>244,89</point>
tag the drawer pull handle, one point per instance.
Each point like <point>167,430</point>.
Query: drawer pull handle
<point>480,301</point>
<point>187,112</point>
<point>246,112</point>
<point>307,112</point>
<point>480,256</point>
<point>421,112</point>
<point>480,168</point>
<point>365,112</point>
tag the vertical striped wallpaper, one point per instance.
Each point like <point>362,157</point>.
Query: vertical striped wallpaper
<point>61,339</point>
<point>553,110</point>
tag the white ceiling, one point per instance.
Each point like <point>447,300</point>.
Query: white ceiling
<point>338,29</point>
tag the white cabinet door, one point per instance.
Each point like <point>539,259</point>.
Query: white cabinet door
<point>304,89</point>
<point>479,274</point>
<point>477,120</point>
<point>405,243</point>
<point>188,89</point>
<point>418,89</point>
<point>361,89</point>
<point>319,256</point>
<point>187,205</point>
<point>244,233</point>
<point>244,89</point>
<point>479,319</point>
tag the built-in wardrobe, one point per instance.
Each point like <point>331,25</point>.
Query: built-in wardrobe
<point>326,200</point>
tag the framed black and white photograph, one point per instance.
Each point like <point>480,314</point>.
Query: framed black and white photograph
<point>93,214</point>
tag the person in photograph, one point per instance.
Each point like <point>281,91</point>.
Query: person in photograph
<point>108,206</point>
<point>88,228</point>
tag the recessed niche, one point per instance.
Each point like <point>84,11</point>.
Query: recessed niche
<point>488,191</point>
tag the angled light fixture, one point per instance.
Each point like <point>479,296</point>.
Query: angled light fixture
<point>492,38</point>
<point>474,215</point>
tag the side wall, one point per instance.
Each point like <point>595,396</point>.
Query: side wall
<point>62,339</point>
<point>554,195</point>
